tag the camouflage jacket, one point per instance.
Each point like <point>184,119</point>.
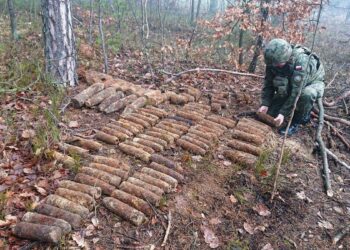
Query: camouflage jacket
<point>285,82</point>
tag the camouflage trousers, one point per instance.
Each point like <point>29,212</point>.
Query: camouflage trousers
<point>305,103</point>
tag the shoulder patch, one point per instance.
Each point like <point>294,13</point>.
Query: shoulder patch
<point>298,67</point>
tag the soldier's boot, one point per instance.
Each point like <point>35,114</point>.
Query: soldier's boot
<point>294,127</point>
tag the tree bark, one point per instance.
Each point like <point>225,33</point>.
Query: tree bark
<point>259,41</point>
<point>59,41</point>
<point>13,20</point>
<point>103,43</point>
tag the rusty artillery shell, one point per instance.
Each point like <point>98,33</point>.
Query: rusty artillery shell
<point>145,185</point>
<point>213,132</point>
<point>92,181</point>
<point>213,125</point>
<point>136,120</point>
<point>229,123</point>
<point>111,170</point>
<point>73,219</point>
<point>164,161</point>
<point>176,99</point>
<point>190,115</point>
<point>102,175</point>
<point>175,125</point>
<point>163,136</point>
<point>249,129</point>
<point>128,126</point>
<point>145,118</point>
<point>63,203</point>
<point>245,147</point>
<point>195,142</point>
<point>189,97</point>
<point>252,138</point>
<point>138,145</point>
<point>79,99</point>
<point>164,177</point>
<point>92,191</point>
<point>77,197</point>
<point>169,129</point>
<point>257,124</point>
<point>160,112</point>
<point>157,147</point>
<point>153,139</point>
<point>107,138</point>
<point>181,119</point>
<point>168,171</point>
<point>71,149</point>
<point>163,131</point>
<point>133,124</point>
<point>110,100</point>
<point>196,93</point>
<point>134,151</point>
<point>149,115</point>
<point>124,211</point>
<point>153,181</point>
<point>241,158</point>
<point>119,129</point>
<point>120,135</point>
<point>47,220</point>
<point>86,143</point>
<point>204,134</point>
<point>38,232</point>
<point>110,162</point>
<point>140,192</point>
<point>190,147</point>
<point>199,138</point>
<point>267,119</point>
<point>133,201</point>
<point>100,96</point>
<point>65,159</point>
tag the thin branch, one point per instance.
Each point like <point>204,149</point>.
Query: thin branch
<point>341,234</point>
<point>335,75</point>
<point>333,119</point>
<point>174,76</point>
<point>167,230</point>
<point>278,168</point>
<point>323,149</point>
<point>331,154</point>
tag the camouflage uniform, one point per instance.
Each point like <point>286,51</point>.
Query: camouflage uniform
<point>281,85</point>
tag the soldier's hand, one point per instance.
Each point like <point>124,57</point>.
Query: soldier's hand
<point>279,119</point>
<point>263,109</point>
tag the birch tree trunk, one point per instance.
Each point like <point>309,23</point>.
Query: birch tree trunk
<point>59,41</point>
<point>13,21</point>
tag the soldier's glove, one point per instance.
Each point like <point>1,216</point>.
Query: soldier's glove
<point>281,86</point>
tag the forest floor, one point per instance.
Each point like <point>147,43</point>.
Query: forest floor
<point>220,204</point>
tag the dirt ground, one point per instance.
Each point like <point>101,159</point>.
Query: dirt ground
<point>227,206</point>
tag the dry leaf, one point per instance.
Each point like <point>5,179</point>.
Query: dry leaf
<point>215,221</point>
<point>233,199</point>
<point>79,239</point>
<point>248,228</point>
<point>268,246</point>
<point>325,224</point>
<point>210,238</point>
<point>28,133</point>
<point>262,210</point>
<point>40,190</point>
<point>73,124</point>
<point>95,221</point>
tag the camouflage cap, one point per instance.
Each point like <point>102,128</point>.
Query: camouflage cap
<point>277,51</point>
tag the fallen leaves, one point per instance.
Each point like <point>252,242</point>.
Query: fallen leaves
<point>262,210</point>
<point>248,228</point>
<point>233,199</point>
<point>210,238</point>
<point>325,224</point>
<point>73,124</point>
<point>79,239</point>
<point>28,133</point>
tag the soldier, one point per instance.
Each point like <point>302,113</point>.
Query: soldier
<point>289,67</point>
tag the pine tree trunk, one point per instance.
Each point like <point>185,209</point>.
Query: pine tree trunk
<point>12,19</point>
<point>59,41</point>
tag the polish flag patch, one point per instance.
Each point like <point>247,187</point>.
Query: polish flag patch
<point>299,67</point>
